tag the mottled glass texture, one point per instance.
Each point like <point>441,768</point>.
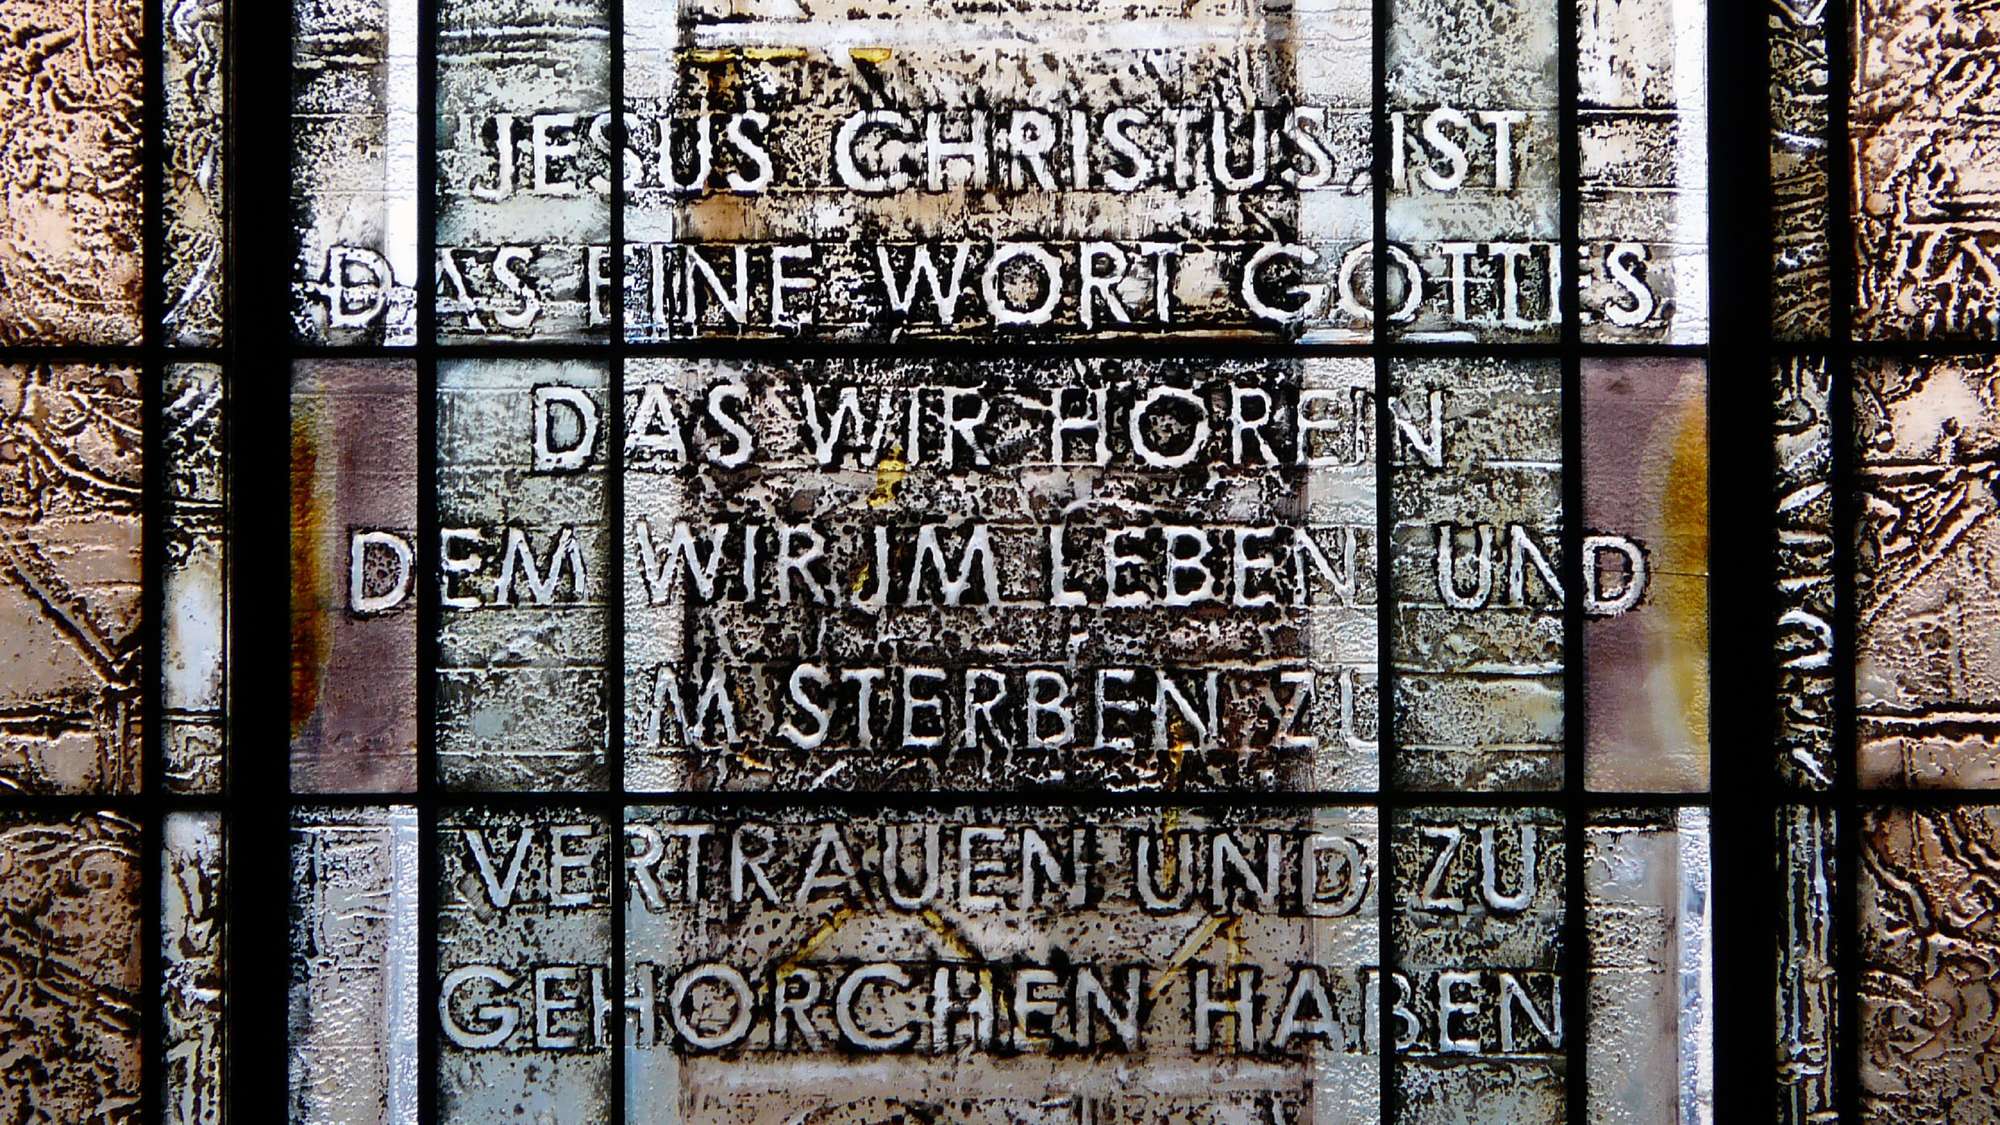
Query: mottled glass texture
<point>521,693</point>
<point>1477,638</point>
<point>1645,501</point>
<point>194,640</point>
<point>71,490</point>
<point>353,575</point>
<point>1927,583</point>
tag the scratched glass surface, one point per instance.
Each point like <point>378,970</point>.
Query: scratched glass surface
<point>1003,964</point>
<point>925,574</point>
<point>1478,931</point>
<point>1477,643</point>
<point>523,210</point>
<point>526,562</point>
<point>1044,169</point>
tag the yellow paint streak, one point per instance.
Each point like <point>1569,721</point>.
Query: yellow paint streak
<point>708,54</point>
<point>761,54</point>
<point>1197,940</point>
<point>874,55</point>
<point>889,472</point>
<point>817,938</point>
<point>1684,512</point>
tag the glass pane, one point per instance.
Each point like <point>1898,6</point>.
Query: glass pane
<point>354,621</point>
<point>1807,986</point>
<point>929,168</point>
<point>192,985</point>
<point>523,218</point>
<point>71,482</point>
<point>1801,250</point>
<point>1479,940</point>
<point>1927,605</point>
<point>353,1004</point>
<point>354,188</point>
<point>928,574</point>
<point>1642,119</point>
<point>1473,195</point>
<point>1645,571</point>
<point>1928,964</point>
<point>194,252</point>
<point>523,964</point>
<point>1805,589</point>
<point>1478,638</point>
<point>1651,1016</point>
<point>522,510</point>
<point>69,891</point>
<point>194,641</point>
<point>1001,965</point>
<point>71,129</point>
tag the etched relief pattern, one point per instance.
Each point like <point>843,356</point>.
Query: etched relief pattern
<point>194,644</point>
<point>1807,986</point>
<point>1806,593</point>
<point>71,265</point>
<point>1477,627</point>
<point>524,951</point>
<point>929,574</point>
<point>70,508</point>
<point>1478,934</point>
<point>70,976</point>
<point>1013,150</point>
<point>1801,248</point>
<point>1926,159</point>
<point>193,1051</point>
<point>352,1043</point>
<point>194,250</point>
<point>1643,186</point>
<point>1930,957</point>
<point>998,965</point>
<point>354,148</point>
<point>526,554</point>
<point>523,205</point>
<point>1927,572</point>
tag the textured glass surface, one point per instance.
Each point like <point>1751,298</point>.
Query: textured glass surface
<point>194,640</point>
<point>353,574</point>
<point>354,933</point>
<point>1477,642</point>
<point>1807,939</point>
<point>524,965</point>
<point>1645,500</point>
<point>1473,202</point>
<point>1014,151</point>
<point>1479,939</point>
<point>525,552</point>
<point>70,927</point>
<point>926,574</point>
<point>1652,999</point>
<point>354,195</point>
<point>1801,252</point>
<point>1926,159</point>
<point>1003,964</point>
<point>1929,962</point>
<point>523,212</point>
<point>194,250</point>
<point>71,469</point>
<point>1802,395</point>
<point>1927,606</point>
<point>192,971</point>
<point>1642,119</point>
<point>71,257</point>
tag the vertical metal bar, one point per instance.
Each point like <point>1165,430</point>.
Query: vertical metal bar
<point>1575,970</point>
<point>1385,523</point>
